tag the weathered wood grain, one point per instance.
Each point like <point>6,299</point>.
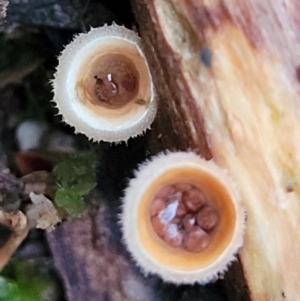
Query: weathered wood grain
<point>94,264</point>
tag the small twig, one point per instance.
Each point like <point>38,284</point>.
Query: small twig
<point>17,223</point>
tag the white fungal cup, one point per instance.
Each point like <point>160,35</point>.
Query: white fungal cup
<point>103,86</point>
<point>170,249</point>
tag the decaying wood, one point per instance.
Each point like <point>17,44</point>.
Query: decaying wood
<point>93,262</point>
<point>228,73</point>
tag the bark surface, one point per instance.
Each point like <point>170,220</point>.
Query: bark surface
<point>93,263</point>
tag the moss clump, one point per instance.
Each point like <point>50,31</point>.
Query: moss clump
<point>23,281</point>
<point>76,177</point>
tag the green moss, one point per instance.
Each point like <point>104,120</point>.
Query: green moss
<point>9,290</point>
<point>76,177</point>
<point>69,200</point>
<point>22,281</point>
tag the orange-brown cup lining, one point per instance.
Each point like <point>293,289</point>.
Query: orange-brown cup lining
<point>85,78</point>
<point>179,258</point>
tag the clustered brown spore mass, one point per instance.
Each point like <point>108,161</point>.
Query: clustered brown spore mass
<point>116,80</point>
<point>105,88</point>
<point>184,217</point>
